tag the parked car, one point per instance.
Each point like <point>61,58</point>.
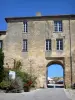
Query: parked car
<point>59,82</point>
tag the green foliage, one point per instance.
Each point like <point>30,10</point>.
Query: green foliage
<point>6,74</point>
<point>5,84</point>
<point>1,65</point>
<point>22,81</point>
<point>16,85</point>
<point>12,85</point>
<point>28,80</point>
<point>25,76</point>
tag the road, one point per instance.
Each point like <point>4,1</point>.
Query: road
<point>42,94</point>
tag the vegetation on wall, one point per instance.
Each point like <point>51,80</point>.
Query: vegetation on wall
<point>17,64</point>
<point>1,65</point>
<point>23,81</point>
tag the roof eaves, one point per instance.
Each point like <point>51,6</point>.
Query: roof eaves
<point>2,32</point>
<point>40,17</point>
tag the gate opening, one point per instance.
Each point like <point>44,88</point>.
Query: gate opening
<point>55,75</point>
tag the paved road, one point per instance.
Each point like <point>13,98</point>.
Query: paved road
<point>43,94</point>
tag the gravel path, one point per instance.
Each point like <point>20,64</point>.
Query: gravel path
<point>42,94</point>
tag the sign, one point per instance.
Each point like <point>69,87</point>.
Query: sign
<point>12,74</point>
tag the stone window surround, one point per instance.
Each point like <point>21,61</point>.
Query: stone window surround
<point>25,45</point>
<point>58,26</point>
<point>48,45</point>
<point>25,26</point>
<point>59,44</point>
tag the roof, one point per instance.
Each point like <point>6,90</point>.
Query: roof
<point>40,17</point>
<point>2,32</point>
<point>50,78</point>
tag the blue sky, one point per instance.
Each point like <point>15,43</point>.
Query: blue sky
<point>16,8</point>
<point>55,70</point>
<point>12,8</point>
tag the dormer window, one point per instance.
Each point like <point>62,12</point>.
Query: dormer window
<point>25,26</point>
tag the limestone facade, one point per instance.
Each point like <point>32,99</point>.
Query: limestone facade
<point>37,59</point>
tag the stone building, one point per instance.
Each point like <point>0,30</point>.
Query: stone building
<point>40,41</point>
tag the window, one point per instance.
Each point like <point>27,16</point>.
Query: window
<point>48,44</point>
<point>58,26</point>
<point>59,44</point>
<point>1,44</point>
<point>25,26</point>
<point>25,45</point>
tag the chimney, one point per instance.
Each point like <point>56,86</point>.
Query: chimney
<point>38,14</point>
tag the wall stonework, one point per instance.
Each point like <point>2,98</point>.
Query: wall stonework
<point>35,61</point>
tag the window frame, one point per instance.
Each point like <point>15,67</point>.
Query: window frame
<point>25,23</point>
<point>25,45</point>
<point>48,45</point>
<point>58,26</point>
<point>59,44</point>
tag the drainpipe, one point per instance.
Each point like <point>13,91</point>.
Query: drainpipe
<point>70,50</point>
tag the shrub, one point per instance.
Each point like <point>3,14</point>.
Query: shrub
<point>1,65</point>
<point>28,80</point>
<point>16,85</point>
<point>22,81</point>
<point>12,85</point>
<point>5,84</point>
<point>6,74</point>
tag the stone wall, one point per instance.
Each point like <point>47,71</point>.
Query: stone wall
<point>36,59</point>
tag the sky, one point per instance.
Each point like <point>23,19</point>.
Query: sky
<point>16,8</point>
<point>19,8</point>
<point>55,70</point>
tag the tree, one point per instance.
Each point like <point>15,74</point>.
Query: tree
<point>1,65</point>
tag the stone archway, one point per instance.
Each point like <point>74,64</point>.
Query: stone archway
<point>65,62</point>
<point>58,63</point>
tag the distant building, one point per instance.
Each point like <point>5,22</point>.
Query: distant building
<point>50,81</point>
<point>40,41</point>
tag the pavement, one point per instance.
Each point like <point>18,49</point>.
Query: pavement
<point>70,93</point>
<point>40,94</point>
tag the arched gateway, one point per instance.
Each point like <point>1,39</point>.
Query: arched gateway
<point>66,70</point>
<point>55,63</point>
